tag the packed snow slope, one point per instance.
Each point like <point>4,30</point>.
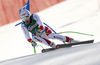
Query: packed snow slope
<point>71,15</point>
<point>80,55</point>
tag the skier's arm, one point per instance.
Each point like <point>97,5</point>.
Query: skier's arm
<point>26,33</point>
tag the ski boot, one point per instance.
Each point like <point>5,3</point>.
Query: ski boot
<point>71,40</point>
<point>54,45</point>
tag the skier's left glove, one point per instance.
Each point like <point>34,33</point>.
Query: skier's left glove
<point>39,32</point>
<point>33,43</point>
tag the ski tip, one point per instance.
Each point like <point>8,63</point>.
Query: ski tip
<point>57,46</point>
<point>43,51</point>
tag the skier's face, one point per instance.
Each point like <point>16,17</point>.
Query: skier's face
<point>27,21</point>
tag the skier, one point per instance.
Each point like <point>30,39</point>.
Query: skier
<point>32,23</point>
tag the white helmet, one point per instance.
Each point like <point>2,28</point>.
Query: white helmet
<point>25,14</point>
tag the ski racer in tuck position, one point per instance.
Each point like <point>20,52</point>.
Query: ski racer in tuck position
<point>32,23</point>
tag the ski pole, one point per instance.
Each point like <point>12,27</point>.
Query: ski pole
<point>70,32</point>
<point>37,46</point>
<point>18,24</point>
<point>41,46</point>
<point>34,50</point>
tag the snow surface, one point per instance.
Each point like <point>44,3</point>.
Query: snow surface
<point>71,15</point>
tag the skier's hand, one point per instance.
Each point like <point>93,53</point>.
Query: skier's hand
<point>33,43</point>
<point>39,33</point>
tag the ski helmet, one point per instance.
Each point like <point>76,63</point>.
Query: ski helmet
<point>25,15</point>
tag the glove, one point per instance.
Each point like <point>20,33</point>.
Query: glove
<point>33,43</point>
<point>39,33</point>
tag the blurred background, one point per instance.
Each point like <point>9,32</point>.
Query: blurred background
<point>9,9</point>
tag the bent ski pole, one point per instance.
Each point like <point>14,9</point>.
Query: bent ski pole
<point>70,32</point>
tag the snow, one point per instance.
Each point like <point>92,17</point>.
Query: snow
<point>71,15</point>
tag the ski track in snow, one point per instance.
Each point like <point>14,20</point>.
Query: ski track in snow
<point>72,15</point>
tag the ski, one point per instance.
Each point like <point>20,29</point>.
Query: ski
<point>67,45</point>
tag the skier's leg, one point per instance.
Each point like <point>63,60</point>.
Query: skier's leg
<point>55,36</point>
<point>59,37</point>
<point>62,38</point>
<point>44,41</point>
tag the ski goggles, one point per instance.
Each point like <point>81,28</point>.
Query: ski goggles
<point>25,18</point>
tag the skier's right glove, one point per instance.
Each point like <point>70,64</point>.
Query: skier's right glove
<point>33,43</point>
